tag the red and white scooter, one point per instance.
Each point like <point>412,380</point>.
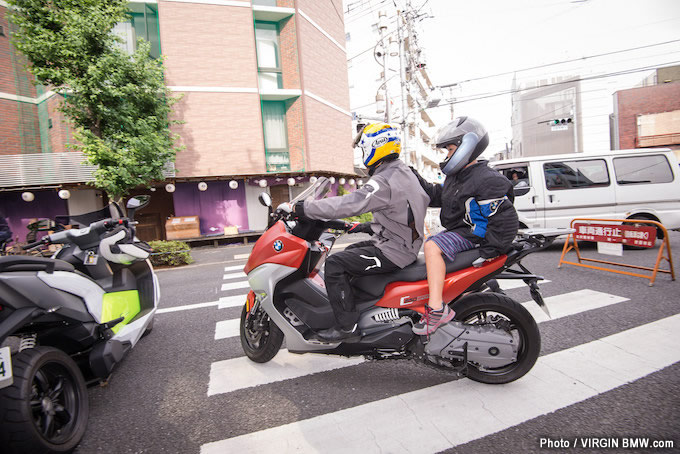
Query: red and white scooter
<point>493,339</point>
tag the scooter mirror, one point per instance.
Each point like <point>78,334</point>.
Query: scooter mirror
<point>137,202</point>
<point>265,199</point>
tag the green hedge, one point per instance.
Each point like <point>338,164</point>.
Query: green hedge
<point>170,253</point>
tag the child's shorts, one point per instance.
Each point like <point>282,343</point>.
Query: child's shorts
<point>451,243</point>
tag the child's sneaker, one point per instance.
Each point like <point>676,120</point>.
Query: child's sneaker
<point>432,320</point>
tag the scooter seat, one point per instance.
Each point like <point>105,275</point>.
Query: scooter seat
<point>375,284</point>
<point>28,263</point>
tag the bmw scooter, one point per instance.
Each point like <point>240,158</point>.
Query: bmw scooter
<point>66,322</point>
<point>493,339</point>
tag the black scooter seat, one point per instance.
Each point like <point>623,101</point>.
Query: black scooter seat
<point>375,284</point>
<point>29,263</point>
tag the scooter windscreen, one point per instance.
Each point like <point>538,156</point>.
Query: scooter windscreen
<point>111,211</point>
<point>316,191</point>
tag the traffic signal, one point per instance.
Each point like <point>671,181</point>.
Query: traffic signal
<point>560,121</point>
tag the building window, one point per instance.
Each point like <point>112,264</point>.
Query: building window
<point>143,23</point>
<point>642,169</point>
<point>268,56</point>
<point>576,174</point>
<point>275,136</point>
<point>264,2</point>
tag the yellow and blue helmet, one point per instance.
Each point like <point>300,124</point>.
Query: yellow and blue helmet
<point>378,141</point>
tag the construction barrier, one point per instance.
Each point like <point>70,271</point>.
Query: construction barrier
<point>619,232</point>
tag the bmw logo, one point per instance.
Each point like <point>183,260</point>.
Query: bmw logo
<point>278,245</point>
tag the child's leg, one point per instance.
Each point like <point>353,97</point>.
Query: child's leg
<point>436,272</point>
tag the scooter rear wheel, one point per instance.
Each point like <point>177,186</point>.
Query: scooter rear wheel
<point>46,409</point>
<point>260,337</point>
<point>487,307</point>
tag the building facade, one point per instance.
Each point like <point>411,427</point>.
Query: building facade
<point>649,115</point>
<point>265,104</point>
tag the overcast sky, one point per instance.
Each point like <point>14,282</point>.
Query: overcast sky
<point>469,41</point>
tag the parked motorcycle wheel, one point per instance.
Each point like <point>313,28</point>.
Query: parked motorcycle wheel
<point>46,409</point>
<point>492,307</point>
<point>260,337</point>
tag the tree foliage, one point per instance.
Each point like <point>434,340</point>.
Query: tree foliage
<point>118,102</point>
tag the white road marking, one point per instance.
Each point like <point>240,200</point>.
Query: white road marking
<point>571,303</point>
<point>187,307</point>
<point>227,328</point>
<point>240,275</point>
<point>241,256</point>
<point>509,284</point>
<point>232,301</point>
<point>235,285</point>
<point>233,268</point>
<point>239,373</point>
<point>420,421</point>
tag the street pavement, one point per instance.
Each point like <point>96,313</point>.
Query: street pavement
<point>608,376</point>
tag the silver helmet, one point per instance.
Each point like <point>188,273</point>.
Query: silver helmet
<point>469,136</point>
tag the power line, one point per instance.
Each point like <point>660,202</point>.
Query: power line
<point>599,76</point>
<point>558,63</point>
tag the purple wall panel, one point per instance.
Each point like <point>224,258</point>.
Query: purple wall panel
<point>217,207</point>
<point>46,205</point>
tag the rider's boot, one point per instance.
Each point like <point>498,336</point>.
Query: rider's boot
<point>336,334</point>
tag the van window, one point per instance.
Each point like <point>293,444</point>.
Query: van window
<point>518,175</point>
<point>576,174</point>
<point>643,169</point>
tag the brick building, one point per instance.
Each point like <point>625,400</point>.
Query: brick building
<point>649,115</point>
<point>265,104</point>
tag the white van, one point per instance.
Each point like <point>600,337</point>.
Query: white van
<point>622,184</point>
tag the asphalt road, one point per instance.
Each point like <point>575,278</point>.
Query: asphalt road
<point>162,397</point>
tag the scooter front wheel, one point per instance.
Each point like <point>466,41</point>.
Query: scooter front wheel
<point>260,337</point>
<point>46,409</point>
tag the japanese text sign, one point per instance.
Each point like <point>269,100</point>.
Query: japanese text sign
<point>642,236</point>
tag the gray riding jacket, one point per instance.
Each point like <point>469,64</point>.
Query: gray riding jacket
<point>398,203</point>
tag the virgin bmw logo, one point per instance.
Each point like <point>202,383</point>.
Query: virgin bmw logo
<point>278,245</point>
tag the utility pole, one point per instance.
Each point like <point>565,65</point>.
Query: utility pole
<point>382,28</point>
<point>402,83</point>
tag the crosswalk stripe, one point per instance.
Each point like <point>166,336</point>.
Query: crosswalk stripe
<point>233,268</point>
<point>420,421</point>
<point>240,275</point>
<point>227,328</point>
<point>235,285</point>
<point>231,301</point>
<point>571,303</point>
<point>241,256</point>
<point>509,284</point>
<point>238,373</point>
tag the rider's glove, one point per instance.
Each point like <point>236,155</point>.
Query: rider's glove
<point>358,227</point>
<point>286,207</point>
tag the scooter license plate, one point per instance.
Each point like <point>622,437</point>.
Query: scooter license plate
<point>5,368</point>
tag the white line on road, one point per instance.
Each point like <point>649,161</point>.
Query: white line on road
<point>238,373</point>
<point>233,268</point>
<point>187,307</point>
<point>509,284</point>
<point>240,275</point>
<point>241,256</point>
<point>572,303</point>
<point>232,301</point>
<point>227,328</point>
<point>235,285</point>
<point>389,425</point>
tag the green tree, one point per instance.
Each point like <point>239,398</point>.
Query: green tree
<point>119,103</point>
